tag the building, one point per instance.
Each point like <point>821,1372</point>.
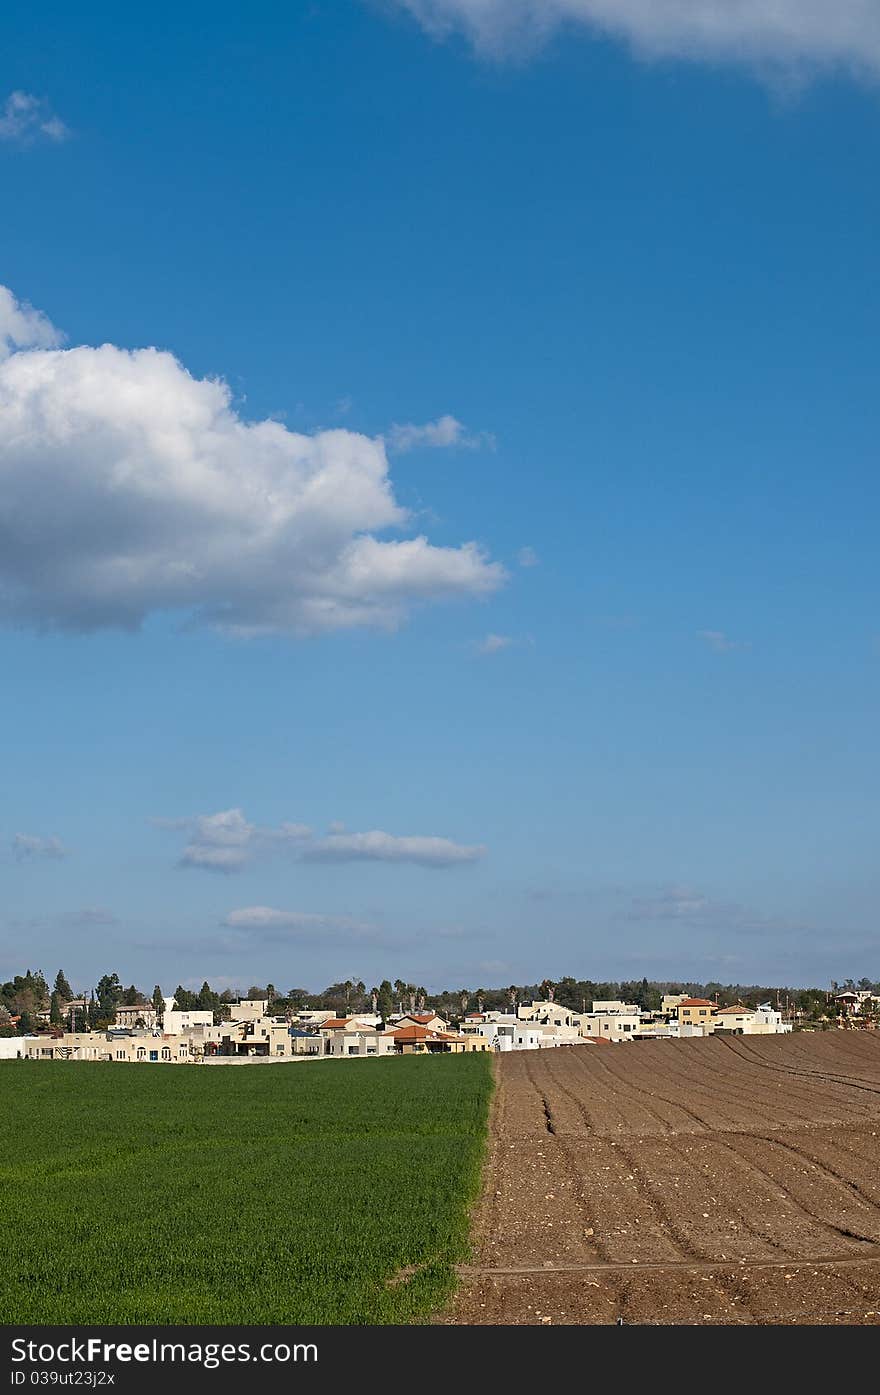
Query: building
<point>415,1040</point>
<point>611,1020</point>
<point>120,1045</point>
<point>766,1021</point>
<point>175,1022</point>
<point>425,1019</point>
<point>737,1019</point>
<point>136,1015</point>
<point>696,1012</point>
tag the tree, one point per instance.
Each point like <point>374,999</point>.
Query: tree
<point>159,1002</point>
<point>131,997</point>
<point>184,1000</point>
<point>206,999</point>
<point>108,996</point>
<point>62,987</point>
<point>55,1010</point>
<point>385,1000</point>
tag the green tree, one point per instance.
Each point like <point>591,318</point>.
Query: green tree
<point>62,987</point>
<point>385,1000</point>
<point>159,1002</point>
<point>55,1010</point>
<point>108,992</point>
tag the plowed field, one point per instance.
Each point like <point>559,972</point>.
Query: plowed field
<point>717,1180</point>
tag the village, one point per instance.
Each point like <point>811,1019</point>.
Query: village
<point>139,1033</point>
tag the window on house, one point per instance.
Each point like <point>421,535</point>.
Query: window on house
<point>154,1055</point>
<point>166,1053</point>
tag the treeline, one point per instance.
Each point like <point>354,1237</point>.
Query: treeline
<point>27,999</point>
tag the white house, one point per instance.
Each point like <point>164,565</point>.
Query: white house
<point>173,1023</point>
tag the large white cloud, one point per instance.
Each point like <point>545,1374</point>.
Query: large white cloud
<point>128,487</point>
<point>228,842</point>
<point>796,35</point>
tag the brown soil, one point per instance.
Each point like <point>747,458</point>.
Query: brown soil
<point>717,1180</point>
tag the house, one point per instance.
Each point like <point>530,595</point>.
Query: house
<point>733,1019</point>
<point>611,1020</point>
<point>357,1039</point>
<point>124,1045</point>
<point>424,1019</point>
<point>303,1043</point>
<point>248,1009</point>
<point>669,1003</point>
<point>696,1012</point>
<point>551,1013</point>
<point>136,1015</point>
<point>767,1021</point>
<point>175,1022</point>
<point>260,1036</point>
<point>412,1039</point>
<point>314,1017</point>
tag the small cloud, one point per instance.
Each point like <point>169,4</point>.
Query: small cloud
<point>28,845</point>
<point>493,644</point>
<point>269,918</point>
<point>377,846</point>
<point>720,643</point>
<point>443,433</point>
<point>25,118</point>
<point>527,557</point>
<point>23,327</point>
<point>342,406</point>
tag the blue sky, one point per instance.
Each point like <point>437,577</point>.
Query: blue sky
<point>593,312</point>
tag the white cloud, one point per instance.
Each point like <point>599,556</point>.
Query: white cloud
<point>493,644</point>
<point>260,918</point>
<point>376,846</point>
<point>128,487</point>
<point>23,327</point>
<point>527,557</point>
<point>25,118</point>
<point>26,845</point>
<point>446,431</point>
<point>228,842</point>
<point>718,641</point>
<point>797,36</point>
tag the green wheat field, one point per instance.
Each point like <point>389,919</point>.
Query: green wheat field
<point>272,1194</point>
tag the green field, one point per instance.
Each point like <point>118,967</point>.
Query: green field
<point>262,1194</point>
